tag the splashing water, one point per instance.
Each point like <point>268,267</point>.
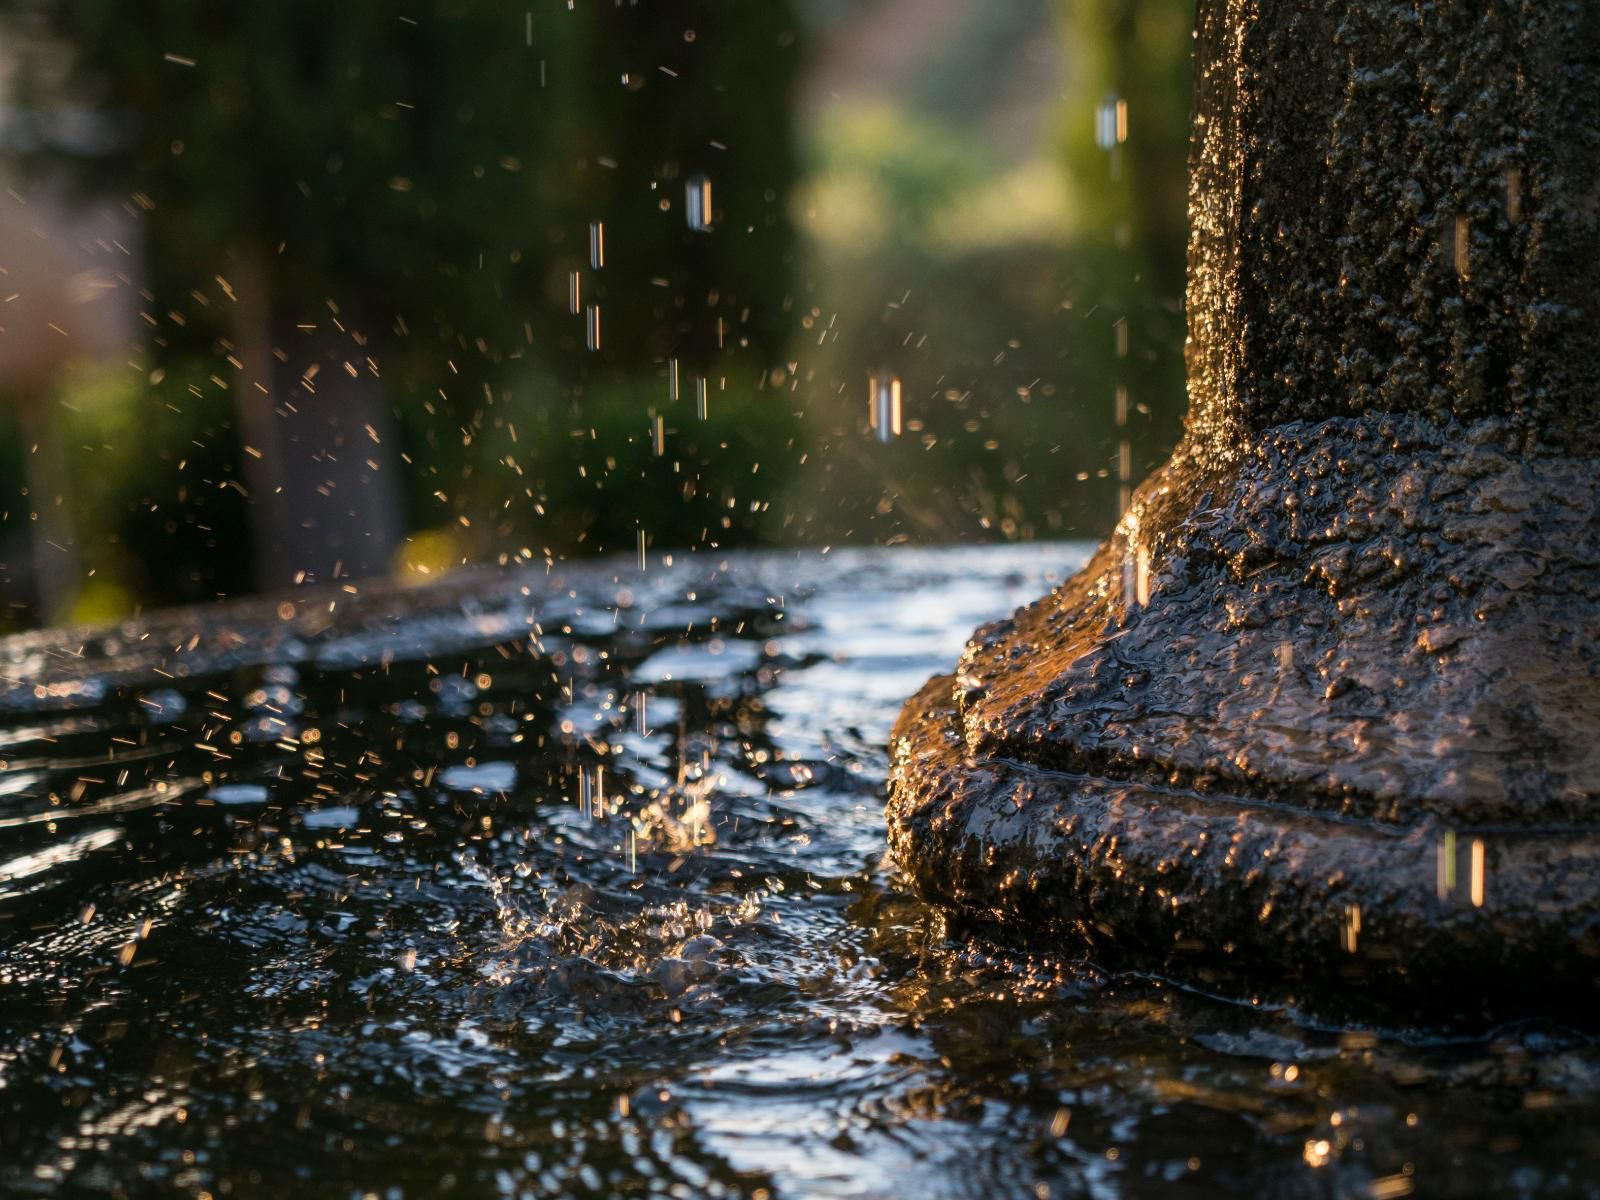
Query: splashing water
<point>415,897</point>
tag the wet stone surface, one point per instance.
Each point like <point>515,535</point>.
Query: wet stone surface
<point>1319,722</point>
<point>1333,727</point>
<point>581,891</point>
<point>1391,210</point>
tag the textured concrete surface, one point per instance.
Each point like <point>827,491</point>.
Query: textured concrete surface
<point>1324,711</point>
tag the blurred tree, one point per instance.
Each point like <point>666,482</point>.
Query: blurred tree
<point>695,90</point>
<point>346,205</point>
<point>1124,143</point>
<point>647,99</point>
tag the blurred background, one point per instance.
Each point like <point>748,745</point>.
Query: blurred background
<point>302,293</point>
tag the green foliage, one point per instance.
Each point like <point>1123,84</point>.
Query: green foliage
<point>1130,202</point>
<point>422,175</point>
<point>586,475</point>
<point>153,465</point>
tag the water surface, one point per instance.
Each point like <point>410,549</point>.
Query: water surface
<point>572,883</point>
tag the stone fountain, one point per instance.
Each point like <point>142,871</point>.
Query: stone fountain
<point>1320,723</point>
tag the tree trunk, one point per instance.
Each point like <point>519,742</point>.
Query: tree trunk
<point>57,560</point>
<point>317,438</point>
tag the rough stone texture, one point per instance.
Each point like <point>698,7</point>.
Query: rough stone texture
<point>1325,708</point>
<point>1393,208</point>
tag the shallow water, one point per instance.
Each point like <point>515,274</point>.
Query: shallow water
<point>573,884</point>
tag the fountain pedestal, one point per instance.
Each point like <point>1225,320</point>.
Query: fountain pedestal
<point>1326,708</point>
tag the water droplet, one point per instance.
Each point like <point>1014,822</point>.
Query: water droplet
<point>597,244</point>
<point>884,406</point>
<point>592,793</point>
<point>1111,122</point>
<point>1124,475</point>
<point>574,293</point>
<point>1461,251</point>
<point>594,326</point>
<point>700,397</point>
<point>1350,933</point>
<point>697,202</point>
<point>1447,864</point>
<point>672,379</point>
<point>1513,195</point>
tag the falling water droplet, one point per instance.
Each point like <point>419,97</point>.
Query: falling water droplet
<point>1124,475</point>
<point>597,244</point>
<point>883,406</point>
<point>574,293</point>
<point>643,563</point>
<point>592,793</point>
<point>1350,934</point>
<point>697,202</point>
<point>1513,195</point>
<point>1111,122</point>
<point>594,326</point>
<point>658,434</point>
<point>700,403</point>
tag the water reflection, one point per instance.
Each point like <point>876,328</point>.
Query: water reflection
<point>573,884</point>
